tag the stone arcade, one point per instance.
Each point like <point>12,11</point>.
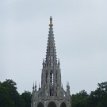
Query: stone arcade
<point>51,92</point>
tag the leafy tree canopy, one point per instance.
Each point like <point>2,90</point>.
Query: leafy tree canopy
<point>9,96</point>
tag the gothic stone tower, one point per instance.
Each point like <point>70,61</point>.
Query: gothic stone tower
<point>51,92</point>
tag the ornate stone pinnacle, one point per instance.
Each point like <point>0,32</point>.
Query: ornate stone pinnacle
<point>50,22</point>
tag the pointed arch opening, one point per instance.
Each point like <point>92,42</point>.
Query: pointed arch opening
<point>63,105</point>
<point>52,104</point>
<point>40,105</point>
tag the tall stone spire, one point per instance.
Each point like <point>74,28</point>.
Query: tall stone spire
<point>51,49</point>
<point>51,93</point>
<point>51,76</point>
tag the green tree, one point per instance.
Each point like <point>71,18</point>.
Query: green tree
<point>9,97</point>
<point>5,100</point>
<point>80,99</point>
<point>98,98</point>
<point>26,97</point>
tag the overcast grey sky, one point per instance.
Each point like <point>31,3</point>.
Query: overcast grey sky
<point>80,28</point>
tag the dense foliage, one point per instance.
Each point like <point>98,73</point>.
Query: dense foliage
<point>97,98</point>
<point>9,96</point>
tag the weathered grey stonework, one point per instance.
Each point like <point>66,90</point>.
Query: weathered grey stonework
<point>51,92</point>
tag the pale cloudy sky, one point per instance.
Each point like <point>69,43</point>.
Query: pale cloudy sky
<point>80,28</point>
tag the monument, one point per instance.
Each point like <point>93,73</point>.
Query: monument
<point>51,92</point>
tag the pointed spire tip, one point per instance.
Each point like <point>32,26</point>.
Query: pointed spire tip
<point>50,21</point>
<point>50,17</point>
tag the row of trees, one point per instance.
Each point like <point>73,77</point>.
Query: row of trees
<point>9,96</point>
<point>97,98</point>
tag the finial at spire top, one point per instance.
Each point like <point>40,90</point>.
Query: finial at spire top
<point>50,21</point>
